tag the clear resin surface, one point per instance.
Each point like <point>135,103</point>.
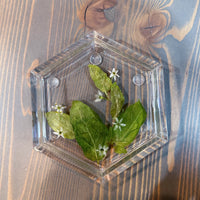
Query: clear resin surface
<point>66,77</point>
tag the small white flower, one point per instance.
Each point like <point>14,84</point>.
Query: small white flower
<point>114,74</point>
<point>102,150</point>
<point>99,96</point>
<point>118,124</point>
<point>59,133</point>
<point>59,108</point>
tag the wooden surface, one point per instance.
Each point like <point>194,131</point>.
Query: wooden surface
<point>33,31</point>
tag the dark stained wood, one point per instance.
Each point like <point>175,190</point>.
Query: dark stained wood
<point>33,31</point>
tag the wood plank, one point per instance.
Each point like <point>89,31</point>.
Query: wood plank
<point>33,31</point>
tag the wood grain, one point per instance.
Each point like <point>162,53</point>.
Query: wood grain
<point>33,31</point>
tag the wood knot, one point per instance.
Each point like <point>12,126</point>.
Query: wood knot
<point>97,14</point>
<point>152,26</point>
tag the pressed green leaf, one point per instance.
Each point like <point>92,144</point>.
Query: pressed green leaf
<point>110,137</point>
<point>117,100</point>
<point>100,78</point>
<point>119,149</point>
<point>133,118</point>
<point>60,121</point>
<point>90,132</point>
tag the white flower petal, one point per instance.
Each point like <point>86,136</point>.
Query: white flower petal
<point>114,74</point>
<point>102,150</point>
<point>97,100</point>
<point>55,133</point>
<point>117,120</point>
<point>99,96</point>
<point>100,93</point>
<point>106,148</point>
<point>116,127</point>
<point>54,107</point>
<point>111,75</point>
<point>96,96</point>
<point>59,108</point>
<point>118,124</point>
<point>120,121</point>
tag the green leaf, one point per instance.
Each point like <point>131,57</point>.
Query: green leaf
<point>119,149</point>
<point>110,137</point>
<point>90,132</point>
<point>60,121</point>
<point>100,78</point>
<point>133,118</point>
<point>117,100</point>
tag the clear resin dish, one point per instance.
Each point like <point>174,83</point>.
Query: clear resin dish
<point>66,77</point>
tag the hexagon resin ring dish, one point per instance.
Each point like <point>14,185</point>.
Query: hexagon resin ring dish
<point>65,78</point>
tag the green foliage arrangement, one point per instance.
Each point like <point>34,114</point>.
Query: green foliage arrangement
<point>85,125</point>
